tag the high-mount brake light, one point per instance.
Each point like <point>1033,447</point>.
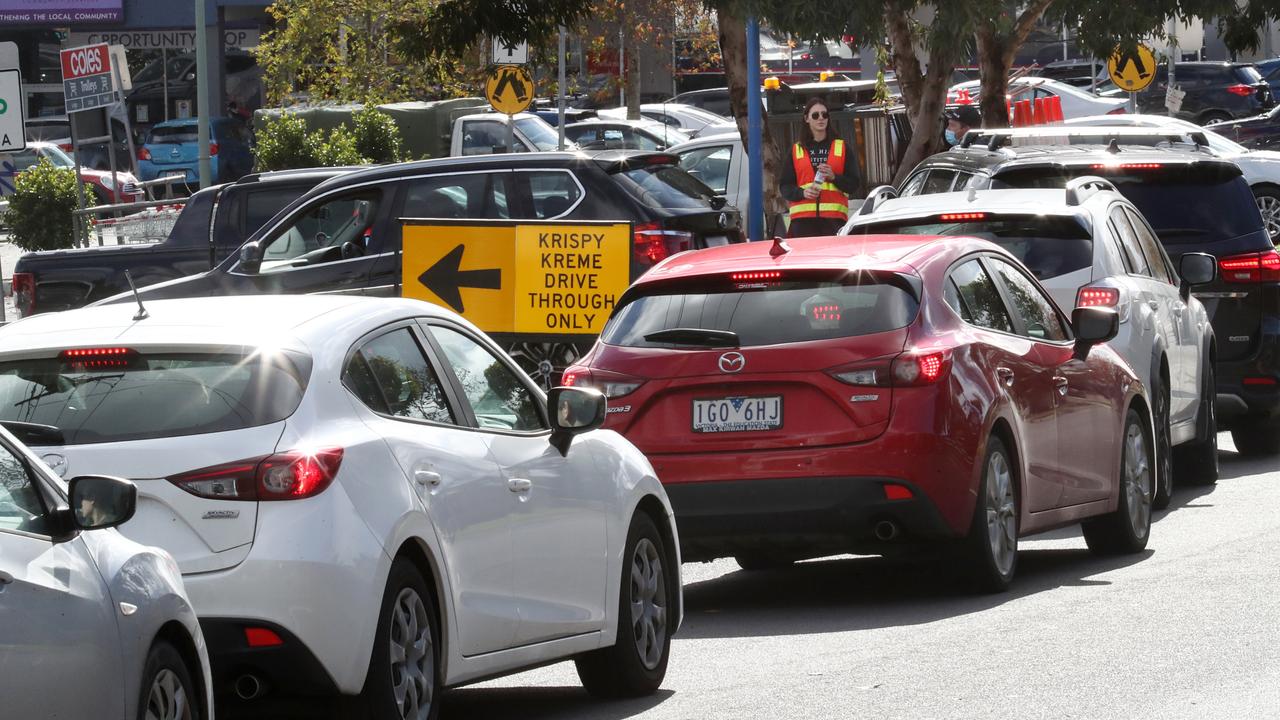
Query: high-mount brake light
<point>1127,166</point>
<point>98,358</point>
<point>962,217</point>
<point>1097,297</point>
<point>756,276</point>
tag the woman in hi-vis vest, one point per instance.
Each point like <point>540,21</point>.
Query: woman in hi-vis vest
<point>821,176</point>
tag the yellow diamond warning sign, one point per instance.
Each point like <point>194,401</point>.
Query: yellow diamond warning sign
<point>1132,69</point>
<point>528,278</point>
<point>509,89</point>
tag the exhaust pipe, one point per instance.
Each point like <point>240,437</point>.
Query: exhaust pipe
<point>886,530</point>
<point>249,687</point>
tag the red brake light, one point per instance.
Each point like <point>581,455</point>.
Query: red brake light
<point>1097,297</point>
<point>213,149</point>
<point>1241,90</point>
<point>652,244</point>
<point>261,637</point>
<point>24,293</point>
<point>66,147</point>
<point>825,312</point>
<point>1128,166</point>
<point>286,476</point>
<point>97,358</point>
<point>1270,381</point>
<point>576,376</point>
<point>144,153</point>
<point>905,370</point>
<point>1251,267</point>
<point>756,276</point>
<point>962,217</point>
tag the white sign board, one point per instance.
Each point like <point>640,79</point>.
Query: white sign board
<point>120,66</point>
<point>13,134</point>
<point>9,55</point>
<point>505,53</point>
<point>1173,99</point>
<point>243,38</point>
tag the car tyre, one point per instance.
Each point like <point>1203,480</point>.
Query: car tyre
<point>404,670</point>
<point>1197,461</point>
<point>1164,451</point>
<point>1127,529</point>
<point>168,692</point>
<point>636,663</point>
<point>1259,439</point>
<point>1214,116</point>
<point>1268,200</point>
<point>992,543</point>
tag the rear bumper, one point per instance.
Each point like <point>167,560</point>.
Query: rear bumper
<point>1238,402</point>
<point>289,668</point>
<point>800,517</point>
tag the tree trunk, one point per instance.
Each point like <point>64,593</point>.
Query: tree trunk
<point>630,69</point>
<point>994,75</point>
<point>925,95</point>
<point>733,52</point>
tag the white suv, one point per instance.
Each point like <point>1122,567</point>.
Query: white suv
<point>363,495</point>
<point>1091,246</point>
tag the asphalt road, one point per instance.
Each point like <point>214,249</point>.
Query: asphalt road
<point>1188,629</point>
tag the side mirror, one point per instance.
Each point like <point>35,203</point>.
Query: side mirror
<point>1197,269</point>
<point>250,257</point>
<point>1093,325</point>
<point>574,411</point>
<point>100,502</point>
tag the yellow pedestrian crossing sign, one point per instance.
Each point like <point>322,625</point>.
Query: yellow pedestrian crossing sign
<point>1132,69</point>
<point>509,89</point>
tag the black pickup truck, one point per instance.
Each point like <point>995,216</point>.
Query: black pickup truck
<point>215,222</point>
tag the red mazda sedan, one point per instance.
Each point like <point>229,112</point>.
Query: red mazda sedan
<point>847,395</point>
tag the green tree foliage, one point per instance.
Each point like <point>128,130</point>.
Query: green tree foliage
<point>40,209</point>
<point>285,143</point>
<point>377,137</point>
<point>453,26</point>
<point>337,148</point>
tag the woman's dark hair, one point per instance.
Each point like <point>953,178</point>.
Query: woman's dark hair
<point>806,135</point>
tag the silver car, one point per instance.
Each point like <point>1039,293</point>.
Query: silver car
<point>91,624</point>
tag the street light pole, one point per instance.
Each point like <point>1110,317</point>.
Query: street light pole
<point>202,94</point>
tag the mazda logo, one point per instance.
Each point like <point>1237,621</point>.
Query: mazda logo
<point>56,463</point>
<point>732,362</point>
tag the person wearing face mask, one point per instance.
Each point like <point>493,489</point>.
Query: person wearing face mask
<point>960,120</point>
<point>821,176</point>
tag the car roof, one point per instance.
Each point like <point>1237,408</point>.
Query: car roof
<point>1010,201</point>
<point>979,159</point>
<point>270,176</point>
<point>240,320</point>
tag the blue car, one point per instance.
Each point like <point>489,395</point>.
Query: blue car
<point>173,148</point>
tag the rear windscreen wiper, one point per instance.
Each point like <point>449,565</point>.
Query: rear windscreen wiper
<point>695,336</point>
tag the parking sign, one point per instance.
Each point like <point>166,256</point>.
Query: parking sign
<point>86,77</point>
<point>13,136</point>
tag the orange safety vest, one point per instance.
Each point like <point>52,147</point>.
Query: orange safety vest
<point>831,203</point>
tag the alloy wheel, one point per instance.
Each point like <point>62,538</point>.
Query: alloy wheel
<point>648,603</point>
<point>167,699</point>
<point>1270,208</point>
<point>412,656</point>
<point>1002,514</point>
<point>1137,480</point>
<point>1164,446</point>
<point>544,363</point>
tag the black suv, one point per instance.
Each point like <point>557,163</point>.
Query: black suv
<point>1215,91</point>
<point>1195,203</point>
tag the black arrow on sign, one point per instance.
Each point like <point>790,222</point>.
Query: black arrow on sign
<point>446,280</point>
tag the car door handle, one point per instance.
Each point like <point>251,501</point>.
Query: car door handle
<point>426,477</point>
<point>519,485</point>
<point>1005,375</point>
<point>1060,383</point>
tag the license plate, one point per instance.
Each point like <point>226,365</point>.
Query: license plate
<point>717,240</point>
<point>737,414</point>
<point>176,174</point>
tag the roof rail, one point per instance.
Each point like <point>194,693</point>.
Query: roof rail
<point>1083,187</point>
<point>875,197</point>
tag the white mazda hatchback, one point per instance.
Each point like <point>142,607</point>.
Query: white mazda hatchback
<point>365,496</point>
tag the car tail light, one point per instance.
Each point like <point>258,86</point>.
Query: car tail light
<point>1097,297</point>
<point>612,384</point>
<point>144,153</point>
<point>962,217</point>
<point>652,244</point>
<point>1127,166</point>
<point>905,370</point>
<point>1248,268</point>
<point>285,476</point>
<point>66,147</point>
<point>262,637</point>
<point>1260,381</point>
<point>24,293</point>
<point>1117,111</point>
<point>1241,90</point>
<point>213,149</point>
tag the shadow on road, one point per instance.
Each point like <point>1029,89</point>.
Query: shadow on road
<point>1233,465</point>
<point>517,703</point>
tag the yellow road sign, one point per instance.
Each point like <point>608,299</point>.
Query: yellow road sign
<point>1132,70</point>
<point>506,277</point>
<point>509,89</point>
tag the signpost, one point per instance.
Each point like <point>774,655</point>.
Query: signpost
<point>1132,70</point>
<point>510,90</point>
<point>13,136</point>
<point>505,53</point>
<point>86,77</point>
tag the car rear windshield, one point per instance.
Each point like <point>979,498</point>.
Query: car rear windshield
<point>177,135</point>
<point>769,313</point>
<point>666,186</point>
<point>1248,74</point>
<point>140,396</point>
<point>1048,245</point>
<point>1184,205</point>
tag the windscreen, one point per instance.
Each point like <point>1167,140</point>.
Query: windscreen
<point>666,186</point>
<point>178,134</point>
<point>140,396</point>
<point>539,133</point>
<point>1184,204</point>
<point>768,313</point>
<point>1048,245</point>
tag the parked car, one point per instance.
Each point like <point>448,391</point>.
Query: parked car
<point>486,134</point>
<point>1090,247</point>
<point>173,149</point>
<point>694,121</point>
<point>1081,73</point>
<point>1261,168</point>
<point>341,479</point>
<point>102,188</point>
<point>1270,71</point>
<point>56,129</point>
<point>1075,101</point>
<point>551,114</point>
<point>713,100</point>
<point>1215,91</point>
<point>1195,203</point>
<point>822,396</point>
<point>1260,132</point>
<point>214,223</point>
<point>624,135</point>
<point>80,601</point>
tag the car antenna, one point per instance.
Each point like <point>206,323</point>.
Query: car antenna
<point>780,247</point>
<point>1114,146</point>
<point>142,313</point>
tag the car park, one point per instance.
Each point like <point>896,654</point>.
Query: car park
<point>694,121</point>
<point>1259,132</point>
<point>1194,202</point>
<point>1215,91</point>
<point>94,624</point>
<point>713,100</point>
<point>1089,247</point>
<point>365,497</point>
<point>102,188</point>
<point>1076,102</point>
<point>624,135</point>
<point>819,396</point>
<point>173,149</point>
<point>1261,168</point>
<point>213,223</point>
